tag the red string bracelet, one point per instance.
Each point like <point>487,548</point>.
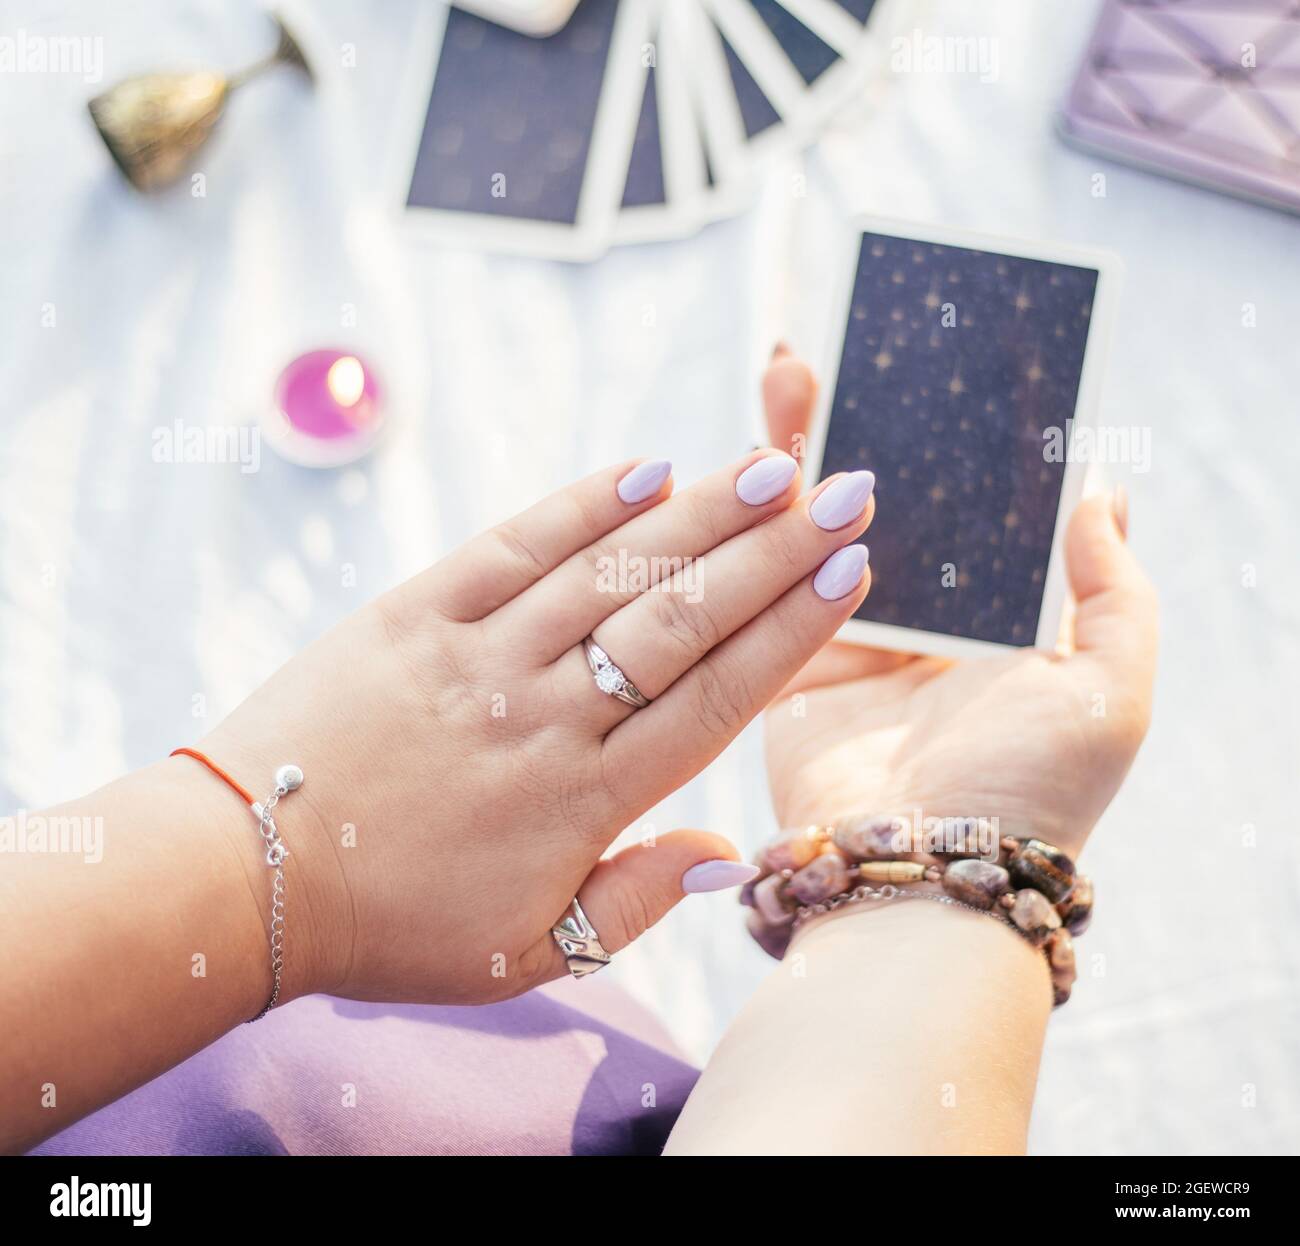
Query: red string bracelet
<point>245,795</point>
<point>287,779</point>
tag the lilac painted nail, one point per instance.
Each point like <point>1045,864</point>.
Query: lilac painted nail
<point>767,479</point>
<point>644,480</point>
<point>717,875</point>
<point>842,502</point>
<point>841,572</point>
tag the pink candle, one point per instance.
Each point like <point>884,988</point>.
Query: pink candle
<point>328,409</point>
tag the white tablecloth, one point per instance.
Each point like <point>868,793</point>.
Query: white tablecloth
<point>135,595</point>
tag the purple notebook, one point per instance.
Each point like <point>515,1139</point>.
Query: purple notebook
<point>1204,90</point>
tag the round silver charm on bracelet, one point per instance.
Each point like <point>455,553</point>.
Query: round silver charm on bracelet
<point>610,679</point>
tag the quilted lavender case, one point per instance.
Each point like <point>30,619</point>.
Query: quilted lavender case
<point>1204,90</point>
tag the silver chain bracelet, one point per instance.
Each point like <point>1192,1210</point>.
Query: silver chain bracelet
<point>865,891</point>
<point>287,779</point>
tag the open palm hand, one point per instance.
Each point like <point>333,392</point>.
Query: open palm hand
<point>1041,742</point>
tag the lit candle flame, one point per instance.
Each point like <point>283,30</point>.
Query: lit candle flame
<point>346,380</point>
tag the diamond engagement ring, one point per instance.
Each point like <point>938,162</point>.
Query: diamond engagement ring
<point>609,679</point>
<point>578,940</point>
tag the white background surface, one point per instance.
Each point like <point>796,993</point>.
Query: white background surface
<point>128,588</point>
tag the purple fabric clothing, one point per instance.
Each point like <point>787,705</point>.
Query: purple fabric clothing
<point>576,1068</point>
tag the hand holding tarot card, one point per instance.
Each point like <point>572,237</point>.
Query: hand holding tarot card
<point>963,371</point>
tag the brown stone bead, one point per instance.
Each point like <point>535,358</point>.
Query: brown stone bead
<point>963,838</point>
<point>1060,957</point>
<point>978,883</point>
<point>1042,866</point>
<point>791,851</point>
<point>871,839</point>
<point>1034,916</point>
<point>772,939</point>
<point>1060,951</point>
<point>891,871</point>
<point>821,878</point>
<point>771,903</point>
<point>1076,908</point>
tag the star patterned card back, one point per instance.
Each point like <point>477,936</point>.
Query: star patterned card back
<point>510,117</point>
<point>955,364</point>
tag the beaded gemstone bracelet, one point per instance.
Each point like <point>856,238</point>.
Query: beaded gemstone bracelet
<point>1032,886</point>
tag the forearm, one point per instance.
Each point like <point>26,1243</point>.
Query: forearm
<point>913,1028</point>
<point>114,970</point>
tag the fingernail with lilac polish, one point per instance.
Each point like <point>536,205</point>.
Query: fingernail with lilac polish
<point>717,876</point>
<point>841,573</point>
<point>767,479</point>
<point>644,480</point>
<point>842,502</point>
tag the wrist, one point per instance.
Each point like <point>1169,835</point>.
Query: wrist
<point>947,962</point>
<point>249,879</point>
<point>908,1029</point>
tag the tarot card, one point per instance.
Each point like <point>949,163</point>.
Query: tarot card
<point>768,88</point>
<point>841,27</point>
<point>666,175</point>
<point>792,62</point>
<point>522,144</point>
<point>532,17</point>
<point>961,370</point>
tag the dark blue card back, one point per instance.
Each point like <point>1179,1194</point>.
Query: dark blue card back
<point>951,418</point>
<point>645,170</point>
<point>510,118</point>
<point>807,53</point>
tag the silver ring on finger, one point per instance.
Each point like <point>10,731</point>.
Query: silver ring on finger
<point>610,679</point>
<point>578,940</point>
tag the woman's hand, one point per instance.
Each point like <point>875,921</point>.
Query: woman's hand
<point>1041,742</point>
<point>464,773</point>
<point>950,1007</point>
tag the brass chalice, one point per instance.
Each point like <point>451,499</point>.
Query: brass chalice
<point>153,124</point>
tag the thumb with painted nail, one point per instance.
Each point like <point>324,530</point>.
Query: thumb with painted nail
<point>626,894</point>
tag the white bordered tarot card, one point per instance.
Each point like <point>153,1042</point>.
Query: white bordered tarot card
<point>724,162</point>
<point>714,166</point>
<point>664,189</point>
<point>522,144</point>
<point>818,29</point>
<point>766,89</point>
<point>960,369</point>
<point>802,58</point>
<point>532,17</point>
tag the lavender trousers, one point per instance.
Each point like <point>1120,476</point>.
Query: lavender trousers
<point>576,1068</point>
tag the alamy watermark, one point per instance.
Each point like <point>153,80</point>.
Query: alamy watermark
<point>1084,443</point>
<point>68,834</point>
<point>129,1200</point>
<point>179,442</point>
<point>952,836</point>
<point>26,53</point>
<point>919,53</point>
<point>634,573</point>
